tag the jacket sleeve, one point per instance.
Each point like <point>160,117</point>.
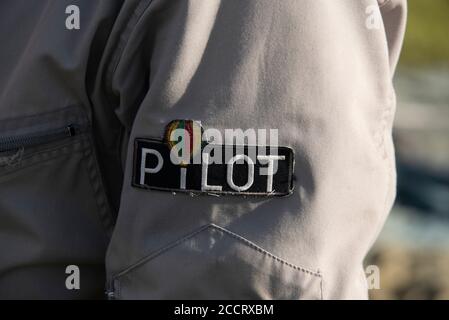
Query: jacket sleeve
<point>310,71</point>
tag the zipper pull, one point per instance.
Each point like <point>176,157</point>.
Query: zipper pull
<point>110,295</point>
<point>71,130</point>
<point>110,290</point>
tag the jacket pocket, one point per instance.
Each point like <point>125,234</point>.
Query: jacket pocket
<point>215,263</point>
<point>53,209</point>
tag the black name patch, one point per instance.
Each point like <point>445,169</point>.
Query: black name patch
<point>219,169</point>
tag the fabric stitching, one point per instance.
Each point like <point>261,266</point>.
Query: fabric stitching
<point>158,252</point>
<point>97,188</point>
<point>257,248</point>
<point>193,192</point>
<point>250,244</point>
<point>44,156</point>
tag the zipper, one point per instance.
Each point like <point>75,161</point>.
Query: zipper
<point>33,139</point>
<point>110,290</point>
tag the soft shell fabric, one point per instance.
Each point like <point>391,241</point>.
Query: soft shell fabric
<point>319,71</point>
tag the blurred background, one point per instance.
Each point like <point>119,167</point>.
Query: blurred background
<point>412,252</point>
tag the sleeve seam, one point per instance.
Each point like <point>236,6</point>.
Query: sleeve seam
<point>124,40</point>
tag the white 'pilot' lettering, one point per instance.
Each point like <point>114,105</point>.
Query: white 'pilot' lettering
<point>182,184</point>
<point>144,169</point>
<point>204,185</point>
<point>270,170</point>
<point>230,172</point>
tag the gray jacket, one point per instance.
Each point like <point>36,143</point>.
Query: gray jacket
<point>83,104</point>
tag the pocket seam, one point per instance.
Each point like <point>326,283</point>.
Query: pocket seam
<point>72,112</point>
<point>250,244</point>
<point>96,183</point>
<point>82,146</point>
<point>49,154</point>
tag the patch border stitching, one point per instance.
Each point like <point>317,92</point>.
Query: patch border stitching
<point>220,193</point>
